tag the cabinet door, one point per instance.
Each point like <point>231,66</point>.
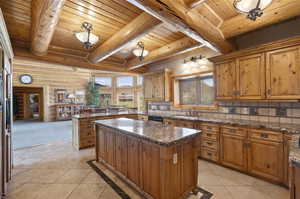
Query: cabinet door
<point>159,86</point>
<point>151,169</point>
<point>297,182</point>
<point>121,154</point>
<point>225,79</point>
<point>110,147</point>
<point>251,77</point>
<point>148,94</point>
<point>133,160</point>
<point>283,74</point>
<point>189,165</point>
<point>233,152</point>
<point>265,159</point>
<point>102,144</point>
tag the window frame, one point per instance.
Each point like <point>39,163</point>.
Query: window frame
<point>118,87</point>
<point>176,101</point>
<point>108,77</point>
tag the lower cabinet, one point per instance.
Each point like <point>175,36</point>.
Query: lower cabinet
<point>121,154</point>
<point>133,145</point>
<point>295,181</point>
<point>265,159</point>
<point>233,151</point>
<point>256,152</point>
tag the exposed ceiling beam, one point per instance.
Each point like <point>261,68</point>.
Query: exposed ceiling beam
<point>70,61</point>
<point>178,47</point>
<point>200,24</point>
<point>44,18</point>
<point>196,3</point>
<point>171,20</point>
<point>136,29</point>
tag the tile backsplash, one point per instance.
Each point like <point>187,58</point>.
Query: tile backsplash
<point>273,112</point>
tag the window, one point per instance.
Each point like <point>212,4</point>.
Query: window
<point>126,99</point>
<point>197,90</point>
<point>126,81</point>
<point>140,80</point>
<point>103,81</point>
<point>105,100</point>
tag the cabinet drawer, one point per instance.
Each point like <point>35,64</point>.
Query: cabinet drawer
<point>210,127</point>
<point>234,131</point>
<point>87,142</point>
<point>210,134</point>
<point>209,154</point>
<point>209,144</point>
<point>266,135</point>
<point>87,133</point>
<point>185,124</point>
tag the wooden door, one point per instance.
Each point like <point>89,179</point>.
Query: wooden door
<point>121,153</point>
<point>110,147</point>
<point>251,75</point>
<point>265,159</point>
<point>233,151</point>
<point>283,73</point>
<point>225,80</point>
<point>133,160</point>
<point>151,169</point>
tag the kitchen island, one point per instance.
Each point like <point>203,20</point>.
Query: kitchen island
<point>159,161</point>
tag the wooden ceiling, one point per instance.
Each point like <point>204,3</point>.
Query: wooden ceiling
<point>214,20</point>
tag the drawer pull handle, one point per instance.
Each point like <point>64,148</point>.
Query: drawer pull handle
<point>209,143</point>
<point>232,131</point>
<point>209,134</point>
<point>210,154</point>
<point>264,135</point>
<point>208,127</point>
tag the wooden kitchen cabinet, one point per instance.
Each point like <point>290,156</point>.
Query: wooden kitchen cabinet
<point>158,86</point>
<point>265,159</point>
<point>283,73</point>
<point>267,72</point>
<point>295,181</point>
<point>233,148</point>
<point>150,166</point>
<point>121,154</point>
<point>110,148</point>
<point>225,79</point>
<point>250,77</point>
<point>133,160</point>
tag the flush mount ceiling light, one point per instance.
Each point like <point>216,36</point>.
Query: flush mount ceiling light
<point>253,8</point>
<point>140,51</point>
<point>87,38</point>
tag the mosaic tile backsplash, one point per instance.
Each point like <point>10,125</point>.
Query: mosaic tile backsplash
<point>273,112</point>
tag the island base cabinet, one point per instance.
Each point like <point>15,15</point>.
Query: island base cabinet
<point>157,171</point>
<point>295,182</point>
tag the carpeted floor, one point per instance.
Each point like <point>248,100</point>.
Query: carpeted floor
<point>31,133</point>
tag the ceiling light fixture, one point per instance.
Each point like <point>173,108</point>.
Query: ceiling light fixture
<point>87,38</point>
<point>140,51</point>
<point>253,8</point>
<point>193,61</point>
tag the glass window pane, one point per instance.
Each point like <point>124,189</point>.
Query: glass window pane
<point>140,80</point>
<point>126,99</point>
<point>197,91</point>
<point>125,81</point>
<point>105,100</point>
<point>103,81</point>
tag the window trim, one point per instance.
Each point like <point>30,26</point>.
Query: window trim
<point>176,100</point>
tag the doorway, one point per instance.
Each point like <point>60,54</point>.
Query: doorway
<point>28,103</point>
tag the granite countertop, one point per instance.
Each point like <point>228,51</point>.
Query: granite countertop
<point>90,115</point>
<point>285,128</point>
<point>295,151</point>
<point>152,131</point>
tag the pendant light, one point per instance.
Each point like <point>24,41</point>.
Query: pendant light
<point>140,51</point>
<point>87,38</point>
<point>253,8</point>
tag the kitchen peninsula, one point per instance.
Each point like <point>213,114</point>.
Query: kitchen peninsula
<point>160,161</point>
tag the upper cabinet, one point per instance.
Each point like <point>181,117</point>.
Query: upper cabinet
<point>267,72</point>
<point>283,73</point>
<point>158,86</point>
<point>225,75</point>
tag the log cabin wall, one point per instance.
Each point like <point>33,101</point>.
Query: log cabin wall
<point>50,76</point>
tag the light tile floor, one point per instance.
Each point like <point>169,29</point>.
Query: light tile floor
<point>57,171</point>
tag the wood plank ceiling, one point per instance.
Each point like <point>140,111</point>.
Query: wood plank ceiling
<point>109,17</point>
